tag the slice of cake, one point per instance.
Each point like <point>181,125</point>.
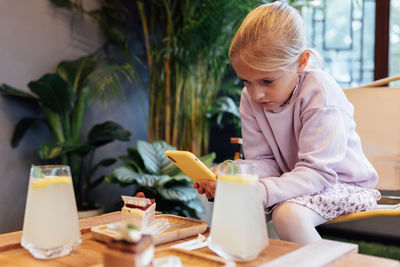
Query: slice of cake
<point>138,211</point>
<point>132,250</point>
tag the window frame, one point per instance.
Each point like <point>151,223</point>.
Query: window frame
<point>381,50</point>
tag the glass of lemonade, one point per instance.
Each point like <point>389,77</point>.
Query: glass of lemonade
<point>238,226</point>
<point>51,226</point>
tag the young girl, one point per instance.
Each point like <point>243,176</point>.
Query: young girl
<point>297,127</point>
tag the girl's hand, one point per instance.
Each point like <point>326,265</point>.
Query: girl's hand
<point>207,187</point>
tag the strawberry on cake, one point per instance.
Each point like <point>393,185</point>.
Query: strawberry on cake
<point>138,211</point>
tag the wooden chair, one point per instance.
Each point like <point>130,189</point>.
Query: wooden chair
<point>377,115</point>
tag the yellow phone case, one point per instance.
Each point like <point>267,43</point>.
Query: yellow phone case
<point>190,165</point>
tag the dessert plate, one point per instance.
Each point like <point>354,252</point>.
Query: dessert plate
<point>179,228</point>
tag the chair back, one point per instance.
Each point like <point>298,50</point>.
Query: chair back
<point>377,115</point>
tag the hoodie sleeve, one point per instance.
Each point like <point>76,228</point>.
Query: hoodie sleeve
<point>255,147</point>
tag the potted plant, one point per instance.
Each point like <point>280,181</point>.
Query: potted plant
<point>152,173</point>
<point>64,98</point>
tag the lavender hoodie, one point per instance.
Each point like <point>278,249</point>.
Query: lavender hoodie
<point>307,144</point>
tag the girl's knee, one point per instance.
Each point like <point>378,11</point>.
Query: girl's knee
<point>291,215</point>
<point>295,216</point>
<point>285,214</point>
<point>296,223</point>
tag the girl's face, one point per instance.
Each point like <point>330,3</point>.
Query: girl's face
<point>270,88</point>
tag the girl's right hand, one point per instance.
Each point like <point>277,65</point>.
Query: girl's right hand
<point>207,186</point>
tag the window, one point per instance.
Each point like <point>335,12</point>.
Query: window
<point>359,39</point>
<point>394,41</point>
<point>343,33</point>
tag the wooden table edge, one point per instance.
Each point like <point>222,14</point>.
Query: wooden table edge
<point>9,241</point>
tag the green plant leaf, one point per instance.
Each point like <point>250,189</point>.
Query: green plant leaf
<point>107,80</point>
<point>51,151</point>
<point>107,132</point>
<point>126,176</point>
<point>78,113</point>
<point>196,205</point>
<point>208,159</point>
<point>53,92</point>
<point>224,105</point>
<point>63,3</point>
<point>77,71</point>
<point>107,162</point>
<point>132,163</point>
<point>134,155</point>
<point>179,193</point>
<point>179,180</point>
<point>174,195</point>
<point>172,170</point>
<point>55,124</point>
<point>22,127</point>
<point>11,91</point>
<point>183,178</point>
<point>96,182</point>
<point>103,163</point>
<point>153,155</point>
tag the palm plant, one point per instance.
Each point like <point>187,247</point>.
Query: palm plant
<point>64,98</point>
<point>186,45</point>
<point>186,54</point>
<point>149,169</point>
<point>115,19</point>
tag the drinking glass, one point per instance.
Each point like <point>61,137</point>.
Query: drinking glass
<point>51,226</point>
<point>238,226</point>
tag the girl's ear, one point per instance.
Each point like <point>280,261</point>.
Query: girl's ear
<point>303,61</point>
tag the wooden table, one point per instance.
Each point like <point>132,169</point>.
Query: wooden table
<point>89,253</point>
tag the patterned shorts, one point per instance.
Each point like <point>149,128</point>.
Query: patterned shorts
<point>342,198</point>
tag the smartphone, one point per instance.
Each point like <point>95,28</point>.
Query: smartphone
<point>190,165</point>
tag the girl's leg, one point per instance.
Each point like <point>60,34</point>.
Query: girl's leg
<point>296,223</point>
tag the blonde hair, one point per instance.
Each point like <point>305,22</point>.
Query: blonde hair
<point>271,37</point>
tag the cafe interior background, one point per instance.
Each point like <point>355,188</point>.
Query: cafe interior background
<point>359,40</point>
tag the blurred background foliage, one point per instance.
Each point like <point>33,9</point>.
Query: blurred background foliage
<point>183,47</point>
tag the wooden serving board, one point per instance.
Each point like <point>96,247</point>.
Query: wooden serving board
<point>180,228</point>
<point>192,258</point>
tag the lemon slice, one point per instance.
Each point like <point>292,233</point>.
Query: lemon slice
<point>239,179</point>
<point>38,183</point>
